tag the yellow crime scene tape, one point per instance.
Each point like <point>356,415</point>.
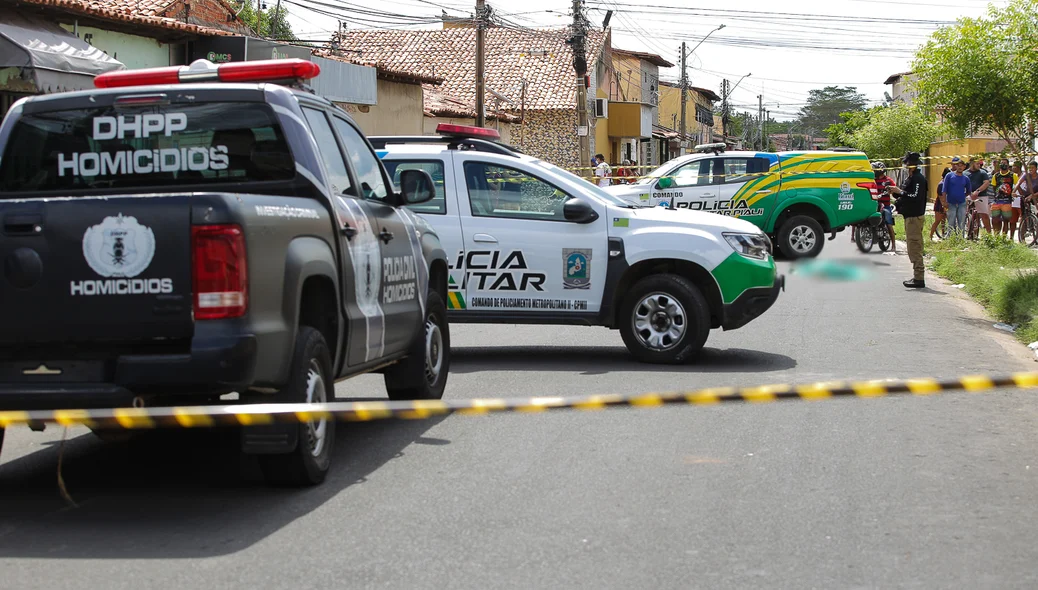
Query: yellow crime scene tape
<point>262,414</point>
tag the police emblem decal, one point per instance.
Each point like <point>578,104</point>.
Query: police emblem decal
<point>576,268</point>
<point>119,247</point>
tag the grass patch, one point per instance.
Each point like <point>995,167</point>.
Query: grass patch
<point>999,273</point>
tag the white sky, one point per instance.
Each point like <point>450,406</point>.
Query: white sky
<point>831,43</point>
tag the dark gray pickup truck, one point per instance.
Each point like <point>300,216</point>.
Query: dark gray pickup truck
<point>183,233</point>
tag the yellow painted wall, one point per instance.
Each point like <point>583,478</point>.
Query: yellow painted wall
<point>941,154</point>
<point>629,86</point>
<point>399,111</point>
<point>670,108</point>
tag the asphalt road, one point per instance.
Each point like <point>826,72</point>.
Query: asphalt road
<point>928,492</point>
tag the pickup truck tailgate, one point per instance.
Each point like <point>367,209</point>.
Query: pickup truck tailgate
<point>78,269</point>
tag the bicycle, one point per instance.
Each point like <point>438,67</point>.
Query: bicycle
<point>1028,224</point>
<point>972,220</point>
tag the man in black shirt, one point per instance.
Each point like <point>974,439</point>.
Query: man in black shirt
<point>911,204</point>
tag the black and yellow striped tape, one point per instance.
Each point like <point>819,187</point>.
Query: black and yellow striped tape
<point>261,414</point>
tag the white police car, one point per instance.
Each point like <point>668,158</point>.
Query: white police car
<point>529,242</point>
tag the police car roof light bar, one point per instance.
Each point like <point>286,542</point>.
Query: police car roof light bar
<point>710,147</point>
<point>467,131</point>
<point>205,71</point>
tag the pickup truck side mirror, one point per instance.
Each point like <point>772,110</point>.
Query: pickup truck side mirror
<point>579,211</point>
<point>417,186</point>
<point>666,183</point>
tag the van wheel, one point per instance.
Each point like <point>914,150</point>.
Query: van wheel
<point>801,237</point>
<point>423,374</point>
<point>664,319</point>
<point>310,381</point>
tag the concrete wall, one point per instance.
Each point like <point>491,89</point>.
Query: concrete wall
<point>399,110</point>
<point>552,136</point>
<point>133,51</point>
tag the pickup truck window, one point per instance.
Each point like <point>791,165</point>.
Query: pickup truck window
<point>498,191</point>
<point>437,206</point>
<point>743,169</point>
<point>337,174</point>
<point>149,146</point>
<point>365,163</point>
<point>695,173</point>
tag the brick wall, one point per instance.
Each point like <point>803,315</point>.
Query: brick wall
<point>551,136</point>
<point>211,13</point>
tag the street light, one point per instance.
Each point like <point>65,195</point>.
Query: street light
<point>704,39</point>
<point>739,82</point>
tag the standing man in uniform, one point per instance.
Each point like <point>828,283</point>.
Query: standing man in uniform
<point>911,204</point>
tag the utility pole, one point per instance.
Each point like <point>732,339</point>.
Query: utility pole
<point>580,28</point>
<point>684,92</point>
<point>767,115</point>
<point>274,21</point>
<point>725,116</point>
<point>481,118</point>
<point>760,118</point>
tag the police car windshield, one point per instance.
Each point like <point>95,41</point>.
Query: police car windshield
<point>152,146</point>
<point>590,187</point>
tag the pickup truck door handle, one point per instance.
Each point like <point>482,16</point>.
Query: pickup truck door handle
<point>708,195</point>
<point>386,235</point>
<point>763,192</point>
<point>348,231</point>
<point>23,224</point>
<point>484,239</point>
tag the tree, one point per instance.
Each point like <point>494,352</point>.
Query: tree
<point>825,105</point>
<point>891,132</point>
<point>981,74</point>
<point>273,22</point>
<point>840,134</point>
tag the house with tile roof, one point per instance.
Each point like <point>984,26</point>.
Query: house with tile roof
<point>626,108</point>
<point>701,126</point>
<point>57,45</point>
<point>528,73</point>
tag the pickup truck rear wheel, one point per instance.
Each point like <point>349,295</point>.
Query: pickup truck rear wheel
<point>310,381</point>
<point>423,374</point>
<point>801,237</point>
<point>664,319</point>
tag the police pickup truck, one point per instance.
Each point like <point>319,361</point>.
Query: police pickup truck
<point>182,233</point>
<point>529,242</point>
<point>794,197</point>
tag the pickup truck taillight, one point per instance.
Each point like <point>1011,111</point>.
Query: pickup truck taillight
<point>219,271</point>
<point>873,190</point>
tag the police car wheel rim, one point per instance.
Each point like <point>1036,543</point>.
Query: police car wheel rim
<point>433,351</point>
<point>316,431</point>
<point>802,238</point>
<point>659,321</point>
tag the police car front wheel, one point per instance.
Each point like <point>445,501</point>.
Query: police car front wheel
<point>665,319</point>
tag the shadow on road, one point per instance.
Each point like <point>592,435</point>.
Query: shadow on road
<point>591,360</point>
<point>173,494</point>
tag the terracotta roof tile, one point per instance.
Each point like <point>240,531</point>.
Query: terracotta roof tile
<point>440,104</point>
<point>384,71</point>
<point>540,56</point>
<point>126,11</point>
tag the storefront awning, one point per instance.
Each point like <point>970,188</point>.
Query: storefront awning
<point>49,58</point>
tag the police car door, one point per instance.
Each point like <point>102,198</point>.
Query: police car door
<point>744,191</point>
<point>441,212</point>
<point>522,256</point>
<point>392,279</point>
<point>689,186</point>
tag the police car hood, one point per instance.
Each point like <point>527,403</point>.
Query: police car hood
<point>662,216</point>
